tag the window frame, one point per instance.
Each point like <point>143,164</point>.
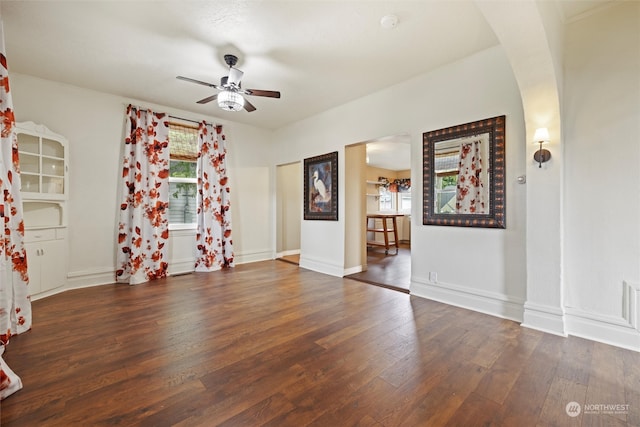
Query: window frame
<point>183,180</point>
<point>382,189</point>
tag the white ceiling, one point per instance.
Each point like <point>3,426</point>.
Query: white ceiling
<point>393,153</point>
<point>318,54</point>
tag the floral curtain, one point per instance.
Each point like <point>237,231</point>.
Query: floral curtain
<point>213,238</point>
<point>143,230</point>
<point>15,304</point>
<point>470,194</point>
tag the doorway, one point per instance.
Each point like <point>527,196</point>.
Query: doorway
<point>388,191</point>
<point>288,211</point>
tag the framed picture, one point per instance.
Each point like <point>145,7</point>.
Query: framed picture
<point>464,175</point>
<point>321,187</point>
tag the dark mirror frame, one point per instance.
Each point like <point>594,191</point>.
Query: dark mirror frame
<point>495,126</point>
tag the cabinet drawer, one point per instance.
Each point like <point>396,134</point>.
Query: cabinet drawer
<point>31,236</point>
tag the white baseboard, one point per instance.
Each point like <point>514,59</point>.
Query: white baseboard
<point>81,279</point>
<point>48,293</point>
<point>612,330</point>
<point>544,318</point>
<point>104,276</point>
<point>491,303</point>
<point>187,265</point>
<point>287,253</point>
<point>352,270</point>
<point>321,266</point>
<point>253,256</point>
<point>181,266</point>
<point>87,278</point>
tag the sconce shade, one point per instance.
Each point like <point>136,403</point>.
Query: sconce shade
<point>230,101</point>
<point>541,136</point>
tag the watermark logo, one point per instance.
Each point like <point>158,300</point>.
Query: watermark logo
<point>573,409</point>
<point>606,408</point>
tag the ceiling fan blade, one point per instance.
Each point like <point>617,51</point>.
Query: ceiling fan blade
<point>187,79</point>
<point>208,99</point>
<point>248,106</point>
<point>267,93</point>
<point>235,76</point>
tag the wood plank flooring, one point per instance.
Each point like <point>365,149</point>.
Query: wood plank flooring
<point>270,344</point>
<point>391,270</point>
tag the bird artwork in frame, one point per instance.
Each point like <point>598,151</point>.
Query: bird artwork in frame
<point>321,187</point>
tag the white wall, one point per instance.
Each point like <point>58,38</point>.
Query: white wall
<point>602,179</point>
<point>93,122</point>
<point>478,87</point>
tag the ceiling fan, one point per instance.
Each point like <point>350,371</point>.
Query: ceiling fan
<point>230,98</point>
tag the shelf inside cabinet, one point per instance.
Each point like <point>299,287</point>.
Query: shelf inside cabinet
<point>29,162</point>
<point>42,214</point>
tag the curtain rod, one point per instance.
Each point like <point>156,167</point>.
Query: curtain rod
<point>193,121</point>
<point>186,120</point>
<point>180,118</point>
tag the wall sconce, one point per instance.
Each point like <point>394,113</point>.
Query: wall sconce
<point>540,137</point>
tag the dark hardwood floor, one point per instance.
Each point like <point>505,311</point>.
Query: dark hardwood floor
<point>270,344</point>
<point>391,270</point>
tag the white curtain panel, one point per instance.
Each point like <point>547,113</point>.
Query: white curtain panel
<point>15,306</point>
<point>470,194</point>
<point>143,230</point>
<point>213,238</point>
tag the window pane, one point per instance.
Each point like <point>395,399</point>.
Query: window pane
<point>405,201</point>
<point>385,200</point>
<point>180,169</point>
<point>445,194</point>
<point>182,203</point>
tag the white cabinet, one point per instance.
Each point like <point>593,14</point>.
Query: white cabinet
<point>46,255</point>
<point>43,162</point>
<point>44,190</point>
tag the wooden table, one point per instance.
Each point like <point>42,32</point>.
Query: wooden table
<point>384,230</point>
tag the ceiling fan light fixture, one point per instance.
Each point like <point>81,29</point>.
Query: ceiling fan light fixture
<point>230,101</point>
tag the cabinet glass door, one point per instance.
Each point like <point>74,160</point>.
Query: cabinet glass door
<point>28,144</point>
<point>52,167</point>
<point>42,165</point>
<point>51,148</point>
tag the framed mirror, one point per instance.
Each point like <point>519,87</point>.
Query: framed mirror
<point>464,175</point>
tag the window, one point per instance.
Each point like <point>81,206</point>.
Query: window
<point>183,179</point>
<point>445,193</point>
<point>446,179</point>
<point>387,199</point>
<point>404,200</point>
<point>394,195</point>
